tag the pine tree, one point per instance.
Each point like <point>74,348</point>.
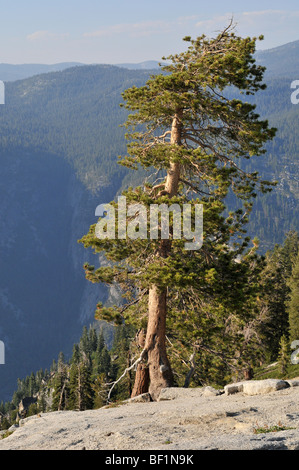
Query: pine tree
<point>75,359</point>
<point>93,339</point>
<point>99,391</point>
<point>85,346</point>
<point>97,357</point>
<point>293,302</point>
<point>80,375</point>
<point>105,362</point>
<point>121,354</point>
<point>81,393</point>
<point>100,341</point>
<point>215,338</point>
<point>275,293</point>
<point>60,388</point>
<point>183,124</point>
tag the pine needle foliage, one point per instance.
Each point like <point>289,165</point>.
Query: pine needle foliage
<point>183,125</point>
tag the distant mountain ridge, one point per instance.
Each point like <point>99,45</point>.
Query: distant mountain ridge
<point>148,64</point>
<point>280,61</point>
<point>12,72</point>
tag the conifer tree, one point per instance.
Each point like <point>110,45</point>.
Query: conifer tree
<point>121,355</point>
<point>85,346</point>
<point>80,379</point>
<point>105,362</point>
<point>93,339</point>
<point>276,288</point>
<point>184,125</point>
<point>81,393</point>
<point>215,338</point>
<point>99,391</point>
<point>61,385</point>
<point>100,342</point>
<point>293,302</point>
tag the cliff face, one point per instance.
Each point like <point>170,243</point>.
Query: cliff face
<point>44,297</point>
<point>59,142</point>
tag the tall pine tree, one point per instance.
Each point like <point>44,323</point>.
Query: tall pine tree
<point>183,124</point>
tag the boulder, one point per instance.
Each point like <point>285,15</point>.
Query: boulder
<point>210,392</point>
<point>256,387</point>
<point>13,427</point>
<point>173,393</point>
<point>293,382</point>
<point>144,397</point>
<point>236,387</point>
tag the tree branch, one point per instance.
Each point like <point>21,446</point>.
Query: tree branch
<point>140,358</point>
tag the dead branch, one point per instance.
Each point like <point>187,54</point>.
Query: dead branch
<point>135,301</point>
<point>140,358</point>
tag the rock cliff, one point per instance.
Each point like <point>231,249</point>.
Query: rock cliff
<point>44,297</point>
<point>186,419</point>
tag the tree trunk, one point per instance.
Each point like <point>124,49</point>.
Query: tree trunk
<point>191,371</point>
<point>159,367</point>
<point>141,383</point>
<point>160,373</point>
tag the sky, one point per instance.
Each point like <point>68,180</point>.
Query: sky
<point>121,31</point>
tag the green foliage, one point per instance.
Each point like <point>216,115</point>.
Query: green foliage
<point>273,371</point>
<point>60,385</point>
<point>275,428</point>
<point>122,354</point>
<point>211,291</point>
<point>293,301</point>
<point>80,388</point>
<point>275,293</point>
<point>80,383</point>
<point>73,114</point>
<point>284,355</point>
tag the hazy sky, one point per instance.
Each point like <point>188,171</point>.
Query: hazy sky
<point>115,31</point>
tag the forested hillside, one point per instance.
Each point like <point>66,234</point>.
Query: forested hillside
<point>59,145</point>
<point>12,72</point>
<point>276,213</point>
<point>74,114</point>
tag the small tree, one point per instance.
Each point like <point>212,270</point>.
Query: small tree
<point>184,124</point>
<point>61,385</point>
<point>293,302</point>
<point>276,283</point>
<point>80,376</point>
